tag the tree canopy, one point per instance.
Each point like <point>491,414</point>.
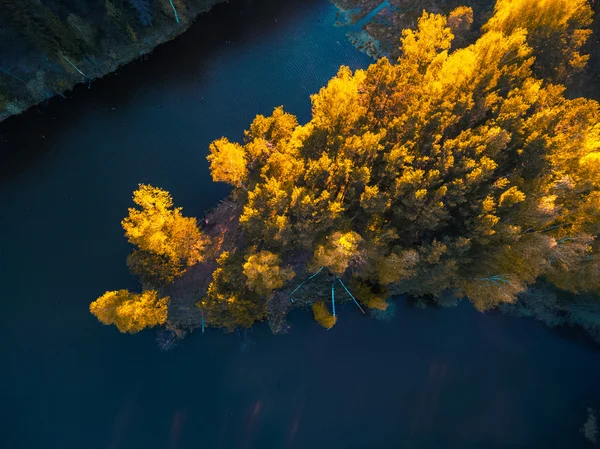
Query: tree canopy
<point>130,312</point>
<point>458,171</point>
<point>465,171</point>
<point>556,30</point>
<point>167,241</point>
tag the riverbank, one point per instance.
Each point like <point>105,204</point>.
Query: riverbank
<point>38,78</point>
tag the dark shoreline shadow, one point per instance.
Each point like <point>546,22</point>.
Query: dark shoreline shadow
<point>231,26</point>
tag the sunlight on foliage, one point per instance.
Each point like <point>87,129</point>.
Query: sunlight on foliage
<point>264,272</point>
<point>458,171</point>
<point>322,315</point>
<point>168,242</point>
<point>130,312</point>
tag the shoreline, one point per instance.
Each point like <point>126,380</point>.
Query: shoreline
<point>124,55</point>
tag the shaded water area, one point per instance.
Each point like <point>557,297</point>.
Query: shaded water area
<point>449,378</point>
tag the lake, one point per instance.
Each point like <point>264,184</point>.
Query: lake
<point>433,378</point>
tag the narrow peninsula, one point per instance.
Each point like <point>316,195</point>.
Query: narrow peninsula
<point>461,169</point>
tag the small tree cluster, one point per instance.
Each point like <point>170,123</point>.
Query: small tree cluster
<point>130,312</point>
<point>168,243</point>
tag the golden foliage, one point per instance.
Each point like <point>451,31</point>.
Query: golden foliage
<point>322,315</point>
<point>557,31</point>
<point>274,129</point>
<point>464,171</point>
<point>130,312</point>
<point>228,162</point>
<point>152,268</point>
<point>398,267</point>
<point>377,303</point>
<point>372,296</point>
<point>228,303</point>
<point>264,272</point>
<point>429,42</point>
<point>339,251</point>
<point>169,242</point>
<point>460,19</point>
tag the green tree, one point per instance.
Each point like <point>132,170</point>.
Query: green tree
<point>44,29</point>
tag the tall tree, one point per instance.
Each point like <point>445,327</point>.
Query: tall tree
<point>168,242</point>
<point>264,273</point>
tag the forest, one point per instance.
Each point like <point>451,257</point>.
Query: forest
<point>48,46</point>
<point>380,24</point>
<point>460,169</point>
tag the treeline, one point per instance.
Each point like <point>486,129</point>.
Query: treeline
<point>463,173</point>
<point>48,46</point>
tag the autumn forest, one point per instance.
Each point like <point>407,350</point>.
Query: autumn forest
<point>461,169</point>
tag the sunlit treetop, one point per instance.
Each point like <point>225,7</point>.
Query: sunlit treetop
<point>557,31</point>
<point>130,312</point>
<point>462,171</point>
<point>158,228</point>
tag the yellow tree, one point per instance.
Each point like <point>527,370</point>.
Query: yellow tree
<point>337,107</point>
<point>264,273</point>
<point>228,162</point>
<point>322,315</point>
<point>152,268</point>
<point>556,29</point>
<point>228,303</point>
<point>274,129</point>
<point>460,21</point>
<point>420,48</point>
<point>338,252</point>
<point>447,171</point>
<point>130,312</point>
<point>168,242</point>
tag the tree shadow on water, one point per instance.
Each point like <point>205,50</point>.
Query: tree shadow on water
<point>245,342</point>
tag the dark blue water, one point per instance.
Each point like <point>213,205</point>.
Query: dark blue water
<point>428,379</point>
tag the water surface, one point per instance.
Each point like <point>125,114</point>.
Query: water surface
<point>428,379</point>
